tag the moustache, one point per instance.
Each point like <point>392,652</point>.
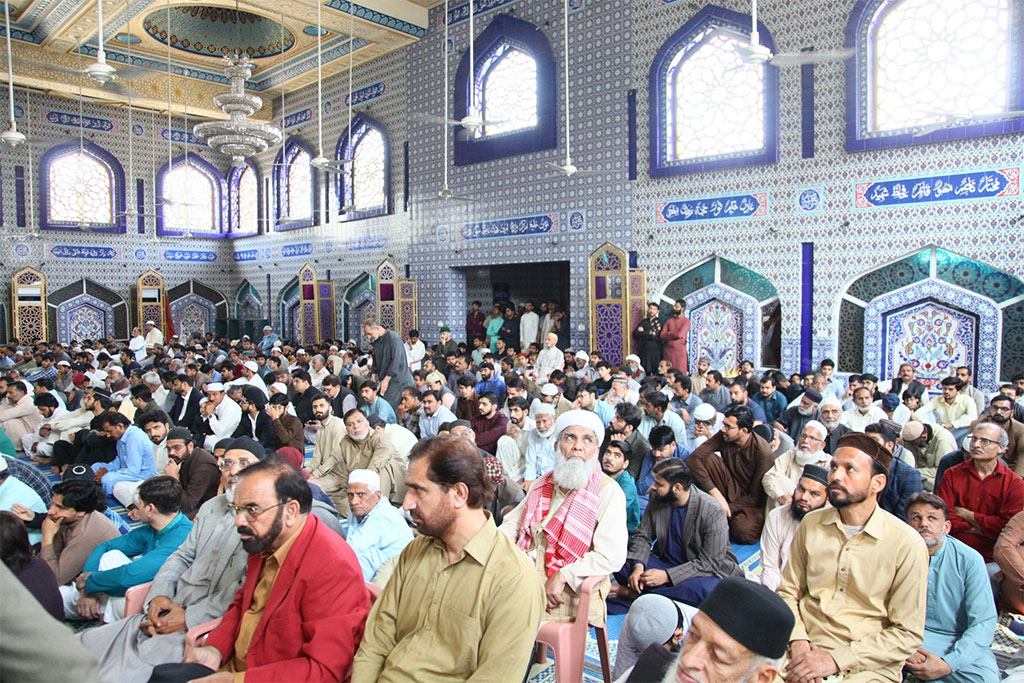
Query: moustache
<point>245,531</point>
<point>837,487</point>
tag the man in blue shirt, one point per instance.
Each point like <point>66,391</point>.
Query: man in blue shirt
<point>614,463</point>
<point>961,614</point>
<point>740,397</point>
<point>268,340</point>
<point>903,481</point>
<point>772,402</point>
<point>375,405</point>
<point>656,412</point>
<point>376,530</point>
<point>684,401</point>
<point>134,462</point>
<point>489,381</point>
<point>110,570</point>
<point>586,399</point>
<point>663,445</point>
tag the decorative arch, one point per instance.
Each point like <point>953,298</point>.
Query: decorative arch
<point>927,307</point>
<point>247,312</point>
<point>197,308</point>
<point>360,303</point>
<point>349,183</point>
<point>862,34</point>
<point>506,32</point>
<point>288,302</point>
<point>177,220</point>
<point>286,216</point>
<point>112,184</point>
<point>735,314</point>
<point>245,214</point>
<point>87,310</point>
<point>710,30</point>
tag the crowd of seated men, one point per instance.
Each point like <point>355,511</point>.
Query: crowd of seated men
<point>415,512</point>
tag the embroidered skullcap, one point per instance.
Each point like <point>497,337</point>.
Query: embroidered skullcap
<point>704,358</point>
<point>581,418</point>
<point>543,409</point>
<point>912,431</point>
<point>549,389</point>
<point>251,365</point>
<point>865,443</point>
<point>214,386</point>
<point>434,377</point>
<point>368,477</point>
<point>704,412</point>
<point>812,395</point>
<point>494,471</point>
<point>752,614</point>
<point>815,473</point>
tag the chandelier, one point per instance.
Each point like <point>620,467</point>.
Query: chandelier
<point>238,137</point>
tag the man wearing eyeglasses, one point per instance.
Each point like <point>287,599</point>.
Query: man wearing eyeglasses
<point>302,608</point>
<point>982,493</point>
<point>195,468</point>
<point>1000,412</point>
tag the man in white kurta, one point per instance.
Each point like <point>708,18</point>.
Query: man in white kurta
<point>529,327</point>
<point>779,481</point>
<point>549,359</point>
<point>863,412</point>
<point>588,537</point>
<point>18,414</point>
<point>154,337</point>
<point>220,413</point>
<point>811,493</point>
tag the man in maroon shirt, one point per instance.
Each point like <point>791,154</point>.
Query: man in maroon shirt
<point>982,493</point>
<point>490,424</point>
<point>474,321</point>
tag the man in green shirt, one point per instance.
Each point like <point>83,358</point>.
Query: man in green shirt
<point>463,601</point>
<point>615,462</point>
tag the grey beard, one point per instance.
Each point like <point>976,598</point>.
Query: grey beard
<point>830,424</point>
<point>806,411</point>
<point>572,474</point>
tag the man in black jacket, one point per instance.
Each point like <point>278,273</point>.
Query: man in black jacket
<point>255,422</point>
<point>186,405</point>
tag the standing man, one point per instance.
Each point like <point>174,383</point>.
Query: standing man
<point>529,326</point>
<point>414,351</point>
<point>648,338</point>
<point>857,578</point>
<point>390,364</point>
<point>154,337</point>
<point>675,333</point>
<point>475,321</point>
<point>463,601</point>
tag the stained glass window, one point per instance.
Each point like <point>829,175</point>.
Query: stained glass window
<point>506,90</point>
<point>368,171</point>
<point>247,206</point>
<point>190,205</point>
<point>81,190</point>
<point>716,100</point>
<point>936,59</point>
<point>300,187</point>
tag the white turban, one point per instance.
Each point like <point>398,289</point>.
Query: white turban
<point>582,418</point>
<point>822,432</point>
<point>368,477</point>
<point>279,387</point>
<point>543,409</point>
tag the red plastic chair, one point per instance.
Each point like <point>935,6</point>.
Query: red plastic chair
<point>135,598</point>
<point>568,641</point>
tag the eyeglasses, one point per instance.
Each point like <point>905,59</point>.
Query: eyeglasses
<point>982,441</point>
<point>808,437</point>
<point>252,511</point>
<point>226,465</point>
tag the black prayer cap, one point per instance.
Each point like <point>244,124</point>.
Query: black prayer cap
<point>752,614</point>
<point>244,443</point>
<point>815,473</point>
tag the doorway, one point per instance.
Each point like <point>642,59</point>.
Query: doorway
<point>518,282</point>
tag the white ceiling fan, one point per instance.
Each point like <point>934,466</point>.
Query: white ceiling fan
<point>446,193</point>
<point>341,165</point>
<point>131,211</point>
<point>756,53</point>
<point>961,119</point>
<point>568,169</point>
<point>320,162</point>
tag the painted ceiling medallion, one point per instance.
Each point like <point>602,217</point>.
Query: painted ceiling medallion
<point>213,31</point>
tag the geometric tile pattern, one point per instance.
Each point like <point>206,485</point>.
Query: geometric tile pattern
<point>724,325</point>
<point>84,317</point>
<point>193,314</point>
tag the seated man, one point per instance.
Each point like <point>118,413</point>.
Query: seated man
<point>489,424</point>
<point>795,418</point>
<point>572,523</point>
<point>652,619</point>
<point>300,613</point>
<point>539,457</point>
<point>863,412</point>
<point>1009,555</point>
<point>1000,412</point>
<point>376,530</point>
<point>194,468</point>
<point>656,412</point>
<point>781,523</point>
<point>110,570</point>
<point>982,494</point>
<point>615,463</point>
<point>196,584</point>
<point>375,405</point>
<point>690,539</point>
<point>14,491</point>
<point>134,462</point>
<point>739,634</point>
<point>73,528</point>
<point>903,480</point>
<point>18,415</point>
<point>961,616</point>
<point>38,444</point>
<point>626,420</point>
<point>663,445</point>
<point>927,442</point>
<point>953,409</point>
<point>434,414</point>
<point>463,601</point>
<point>734,479</point>
<point>779,481</point>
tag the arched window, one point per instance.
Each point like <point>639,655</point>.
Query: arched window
<point>81,188</point>
<point>243,201</point>
<point>709,108</point>
<point>364,189</point>
<point>191,198</point>
<point>922,72</point>
<point>514,86</point>
<point>296,187</point>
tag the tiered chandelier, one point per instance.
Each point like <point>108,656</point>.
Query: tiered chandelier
<point>238,137</point>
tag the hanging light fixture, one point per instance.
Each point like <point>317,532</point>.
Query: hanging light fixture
<point>238,137</point>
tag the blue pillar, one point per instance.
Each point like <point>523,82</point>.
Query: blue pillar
<point>806,306</point>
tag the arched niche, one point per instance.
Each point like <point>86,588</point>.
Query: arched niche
<point>197,309</point>
<point>360,304</point>
<point>87,310</point>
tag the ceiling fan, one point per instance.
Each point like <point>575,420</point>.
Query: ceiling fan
<point>131,211</point>
<point>568,169</point>
<point>472,121</point>
<point>320,162</point>
<point>960,119</point>
<point>755,53</point>
<point>446,193</point>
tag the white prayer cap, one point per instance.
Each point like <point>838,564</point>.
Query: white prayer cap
<point>150,322</point>
<point>277,344</point>
<point>279,387</point>
<point>302,351</point>
<point>543,409</point>
<point>632,357</point>
<point>704,412</point>
<point>368,477</point>
<point>268,328</point>
<point>822,432</point>
<point>251,365</point>
<point>97,377</point>
<point>214,386</point>
<point>830,401</point>
<point>581,418</point>
<point>63,362</point>
<point>549,389</point>
<point>582,355</point>
<point>112,367</point>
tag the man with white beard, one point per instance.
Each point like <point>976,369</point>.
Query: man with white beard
<point>779,481</point>
<point>540,445</point>
<point>706,423</point>
<point>549,359</point>
<point>863,412</point>
<point>572,523</point>
<point>830,414</point>
<point>794,418</point>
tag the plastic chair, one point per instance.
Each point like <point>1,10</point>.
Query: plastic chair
<point>135,598</point>
<point>568,641</point>
<point>196,636</point>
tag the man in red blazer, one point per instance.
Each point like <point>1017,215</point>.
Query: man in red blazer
<point>301,611</point>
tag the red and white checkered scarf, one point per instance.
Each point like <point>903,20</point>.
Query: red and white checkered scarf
<point>570,530</point>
